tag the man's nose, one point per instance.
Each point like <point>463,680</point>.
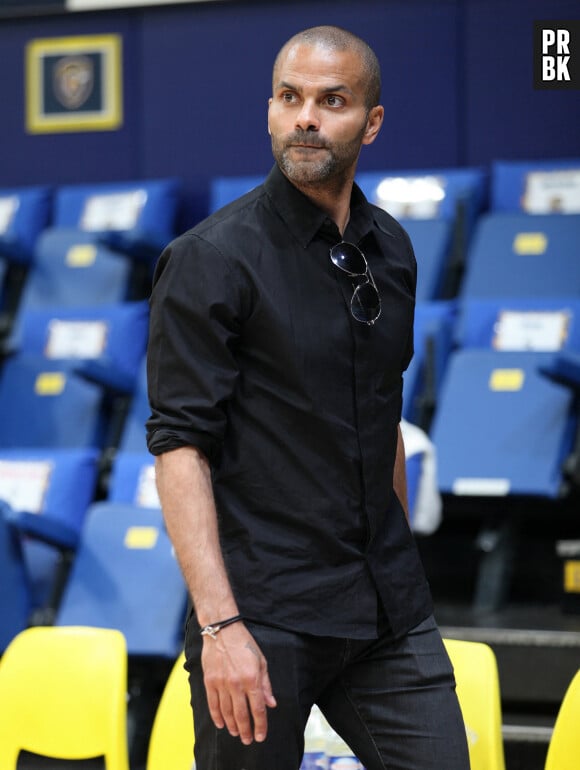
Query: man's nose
<point>308,118</point>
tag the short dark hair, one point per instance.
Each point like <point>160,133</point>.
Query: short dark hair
<point>338,39</point>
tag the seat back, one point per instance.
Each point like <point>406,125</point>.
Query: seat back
<point>63,695</point>
<point>564,746</point>
<point>24,213</point>
<point>15,603</point>
<point>133,480</point>
<point>172,736</point>
<point>133,436</point>
<point>536,186</point>
<point>73,269</point>
<point>518,255</point>
<point>135,217</point>
<point>111,338</point>
<point>47,405</point>
<point>225,189</point>
<point>125,576</point>
<point>478,690</point>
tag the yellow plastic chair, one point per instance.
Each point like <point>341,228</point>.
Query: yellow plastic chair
<point>564,746</point>
<point>172,736</point>
<point>63,695</point>
<point>478,691</point>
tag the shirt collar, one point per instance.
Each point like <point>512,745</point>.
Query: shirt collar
<point>305,220</point>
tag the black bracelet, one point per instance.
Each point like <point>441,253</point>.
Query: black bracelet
<point>214,628</point>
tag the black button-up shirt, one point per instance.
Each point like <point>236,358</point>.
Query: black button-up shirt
<point>255,358</point>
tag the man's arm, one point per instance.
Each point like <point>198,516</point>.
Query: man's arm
<point>400,474</point>
<point>235,671</point>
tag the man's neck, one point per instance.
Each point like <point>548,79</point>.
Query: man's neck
<point>333,198</point>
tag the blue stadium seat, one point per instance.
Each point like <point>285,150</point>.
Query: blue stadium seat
<point>505,431</point>
<point>53,430</point>
<point>432,241</point>
<point>24,214</point>
<point>433,338</point>
<point>133,480</point>
<point>535,186</point>
<point>501,428</point>
<point>133,434</point>
<point>15,596</point>
<point>48,491</point>
<point>498,417</point>
<point>225,189</point>
<point>427,193</point>
<point>125,576</point>
<point>71,269</point>
<point>135,217</point>
<point>105,343</point>
<point>47,405</point>
<point>517,255</point>
<point>438,208</point>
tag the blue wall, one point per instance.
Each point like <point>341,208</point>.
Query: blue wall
<point>457,89</point>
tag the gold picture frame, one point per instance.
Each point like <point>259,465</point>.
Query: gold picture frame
<point>74,84</point>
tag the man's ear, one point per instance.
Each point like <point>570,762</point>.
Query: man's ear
<point>374,123</point>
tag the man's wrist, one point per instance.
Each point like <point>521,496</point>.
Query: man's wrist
<point>213,629</point>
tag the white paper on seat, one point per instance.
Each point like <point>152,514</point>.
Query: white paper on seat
<point>531,330</point>
<point>549,192</point>
<point>76,339</point>
<point>147,496</point>
<point>8,207</point>
<point>24,483</point>
<point>114,211</point>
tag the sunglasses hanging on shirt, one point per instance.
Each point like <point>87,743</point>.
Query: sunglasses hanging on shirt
<point>365,304</point>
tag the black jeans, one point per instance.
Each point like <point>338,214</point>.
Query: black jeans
<point>392,700</point>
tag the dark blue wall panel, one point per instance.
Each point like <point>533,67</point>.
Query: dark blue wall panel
<point>457,89</point>
<point>504,117</point>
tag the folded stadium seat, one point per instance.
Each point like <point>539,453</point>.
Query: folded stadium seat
<point>54,426</point>
<point>478,690</point>
<point>172,736</point>
<point>15,602</point>
<point>438,208</point>
<point>71,269</point>
<point>433,332</point>
<point>536,186</point>
<point>564,746</point>
<point>46,494</point>
<point>125,576</point>
<point>105,343</point>
<point>132,477</point>
<point>518,255</point>
<point>24,214</point>
<point>225,189</point>
<point>63,696</point>
<point>134,217</point>
<point>502,429</point>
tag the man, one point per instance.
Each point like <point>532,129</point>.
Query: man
<point>280,328</point>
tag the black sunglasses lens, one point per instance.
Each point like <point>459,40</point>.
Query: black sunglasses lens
<point>349,258</point>
<point>366,303</point>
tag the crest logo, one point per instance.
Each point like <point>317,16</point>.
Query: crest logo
<point>73,78</point>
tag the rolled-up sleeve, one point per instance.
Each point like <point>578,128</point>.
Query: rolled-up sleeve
<point>192,370</point>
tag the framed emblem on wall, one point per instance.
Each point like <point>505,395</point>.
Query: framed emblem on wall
<point>74,84</point>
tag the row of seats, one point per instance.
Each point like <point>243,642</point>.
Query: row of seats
<point>73,460</point>
<point>63,695</point>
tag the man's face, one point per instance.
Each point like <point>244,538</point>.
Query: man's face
<point>317,116</point>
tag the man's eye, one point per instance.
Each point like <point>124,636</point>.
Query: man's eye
<point>334,101</point>
<point>288,97</point>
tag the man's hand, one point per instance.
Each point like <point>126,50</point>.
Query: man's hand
<point>237,683</point>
